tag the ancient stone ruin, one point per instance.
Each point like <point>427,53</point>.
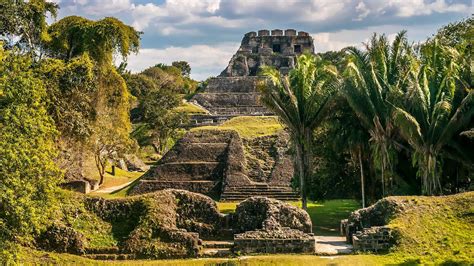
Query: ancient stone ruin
<point>271,226</point>
<point>221,164</point>
<point>366,228</point>
<point>233,92</point>
<point>180,224</point>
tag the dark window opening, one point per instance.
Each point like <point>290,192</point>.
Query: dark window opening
<point>255,50</point>
<point>276,48</point>
<point>297,48</point>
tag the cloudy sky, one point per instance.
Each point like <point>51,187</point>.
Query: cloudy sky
<point>207,32</point>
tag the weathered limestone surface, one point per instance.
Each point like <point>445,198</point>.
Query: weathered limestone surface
<point>218,163</point>
<point>180,224</point>
<point>366,228</point>
<point>376,238</point>
<point>234,92</point>
<point>272,226</point>
<point>269,214</point>
<point>276,49</point>
<point>226,165</point>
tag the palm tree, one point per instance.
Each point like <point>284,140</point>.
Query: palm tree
<point>437,107</point>
<point>373,78</point>
<point>300,99</point>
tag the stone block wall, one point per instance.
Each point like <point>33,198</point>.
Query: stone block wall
<point>266,245</point>
<point>277,48</point>
<point>376,238</point>
<point>83,186</point>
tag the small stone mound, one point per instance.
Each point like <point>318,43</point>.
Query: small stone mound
<point>366,228</point>
<point>164,224</point>
<point>269,214</point>
<point>378,214</point>
<point>60,238</point>
<point>272,226</point>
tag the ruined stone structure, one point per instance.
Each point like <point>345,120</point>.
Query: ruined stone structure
<point>267,48</point>
<point>234,91</point>
<point>221,164</point>
<point>366,229</point>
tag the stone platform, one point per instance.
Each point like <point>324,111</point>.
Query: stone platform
<point>220,164</point>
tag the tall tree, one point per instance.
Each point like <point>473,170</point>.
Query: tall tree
<point>437,107</point>
<point>26,20</point>
<point>374,77</point>
<point>28,172</point>
<point>73,36</point>
<point>183,66</point>
<point>300,99</point>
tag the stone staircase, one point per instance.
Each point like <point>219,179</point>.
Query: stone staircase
<point>196,164</point>
<point>107,253</point>
<point>213,248</point>
<point>243,192</point>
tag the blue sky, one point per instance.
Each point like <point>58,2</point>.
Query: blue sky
<point>207,32</point>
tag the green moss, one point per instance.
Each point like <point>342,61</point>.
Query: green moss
<point>190,109</point>
<point>249,126</point>
<point>97,232</point>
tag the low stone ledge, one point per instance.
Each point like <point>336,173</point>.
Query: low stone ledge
<point>285,240</point>
<point>376,238</point>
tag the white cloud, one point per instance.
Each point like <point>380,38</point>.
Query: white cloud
<point>177,26</point>
<point>205,60</point>
<point>95,7</point>
<point>334,41</point>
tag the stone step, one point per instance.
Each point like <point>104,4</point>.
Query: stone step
<point>103,250</point>
<point>260,189</point>
<point>180,171</point>
<point>110,256</point>
<point>189,151</point>
<point>244,198</point>
<point>261,193</point>
<point>217,244</point>
<point>216,252</point>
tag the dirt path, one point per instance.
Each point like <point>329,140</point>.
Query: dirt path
<point>112,189</point>
<point>332,245</point>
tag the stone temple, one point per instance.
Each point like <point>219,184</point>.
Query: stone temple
<point>220,163</point>
<point>233,92</point>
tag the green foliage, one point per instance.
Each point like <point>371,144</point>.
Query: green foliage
<point>374,78</point>
<point>300,100</point>
<point>158,112</point>
<point>26,20</point>
<point>73,36</point>
<point>436,108</point>
<point>171,78</point>
<point>27,151</point>
<point>139,84</point>
<point>71,90</point>
<point>183,66</point>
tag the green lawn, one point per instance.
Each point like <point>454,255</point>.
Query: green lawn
<point>38,257</point>
<point>325,216</point>
<point>249,126</point>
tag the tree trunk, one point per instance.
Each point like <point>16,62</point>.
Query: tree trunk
<point>99,166</point>
<point>362,183</point>
<point>301,173</point>
<point>383,182</point>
